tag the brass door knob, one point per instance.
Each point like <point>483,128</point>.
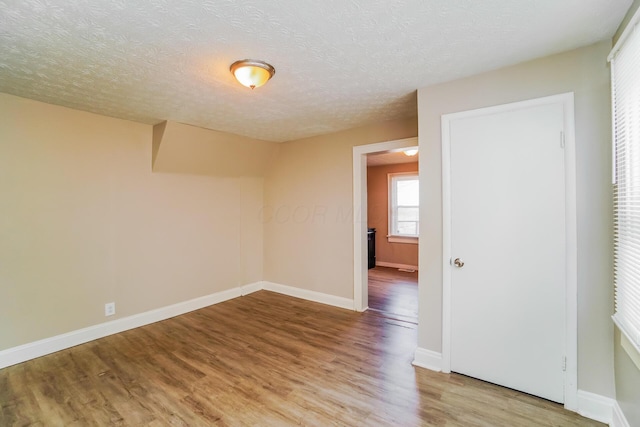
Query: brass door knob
<point>458,263</point>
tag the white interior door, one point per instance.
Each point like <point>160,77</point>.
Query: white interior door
<point>507,226</point>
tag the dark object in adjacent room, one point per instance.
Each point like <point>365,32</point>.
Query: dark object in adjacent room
<point>371,244</point>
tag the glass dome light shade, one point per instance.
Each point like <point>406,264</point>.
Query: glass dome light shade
<point>252,73</point>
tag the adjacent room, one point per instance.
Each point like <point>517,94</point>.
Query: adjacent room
<point>408,213</point>
<point>393,195</point>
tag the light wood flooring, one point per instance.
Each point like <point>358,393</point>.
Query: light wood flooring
<point>394,293</point>
<point>266,360</point>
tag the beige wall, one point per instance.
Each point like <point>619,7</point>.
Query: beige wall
<point>308,219</point>
<point>84,221</point>
<point>378,215</point>
<point>627,374</point>
<point>586,73</point>
<point>180,148</point>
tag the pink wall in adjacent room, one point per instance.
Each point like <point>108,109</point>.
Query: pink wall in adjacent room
<point>378,215</point>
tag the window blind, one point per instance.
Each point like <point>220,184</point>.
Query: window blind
<point>625,82</point>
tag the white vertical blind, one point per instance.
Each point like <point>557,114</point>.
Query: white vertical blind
<point>625,81</point>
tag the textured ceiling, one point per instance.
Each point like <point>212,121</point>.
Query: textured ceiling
<point>339,63</point>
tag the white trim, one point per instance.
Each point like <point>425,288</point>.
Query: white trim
<point>571,308</point>
<point>446,246</point>
<point>308,295</point>
<point>251,288</point>
<point>392,206</point>
<point>627,343</point>
<point>396,265</point>
<point>413,240</point>
<point>427,359</point>
<point>635,19</point>
<point>571,254</point>
<point>22,353</point>
<point>618,419</point>
<point>595,406</point>
<point>50,345</point>
<point>360,288</point>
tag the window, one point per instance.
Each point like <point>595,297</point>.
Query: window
<point>625,82</point>
<point>404,207</point>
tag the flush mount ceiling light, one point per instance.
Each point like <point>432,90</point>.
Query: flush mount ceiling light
<point>252,73</point>
<point>411,152</point>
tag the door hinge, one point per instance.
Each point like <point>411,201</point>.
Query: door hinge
<point>564,363</point>
<point>562,140</point>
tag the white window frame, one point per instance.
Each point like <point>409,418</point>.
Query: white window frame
<point>399,238</point>
<point>625,81</point>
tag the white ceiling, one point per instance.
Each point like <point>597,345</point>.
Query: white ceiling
<point>339,63</point>
<point>385,158</point>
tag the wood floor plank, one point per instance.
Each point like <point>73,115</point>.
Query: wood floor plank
<point>394,293</point>
<point>266,360</point>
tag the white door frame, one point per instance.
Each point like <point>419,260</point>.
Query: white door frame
<point>360,277</point>
<point>571,304</point>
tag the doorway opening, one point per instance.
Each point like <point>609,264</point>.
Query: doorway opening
<point>392,233</point>
<point>382,273</point>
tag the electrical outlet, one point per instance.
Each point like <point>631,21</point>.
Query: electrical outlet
<point>110,309</point>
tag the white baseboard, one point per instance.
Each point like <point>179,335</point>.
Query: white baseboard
<point>396,265</point>
<point>251,288</point>
<point>595,406</point>
<point>15,355</point>
<point>590,405</point>
<point>618,419</point>
<point>428,359</point>
<point>50,345</point>
<point>309,295</point>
